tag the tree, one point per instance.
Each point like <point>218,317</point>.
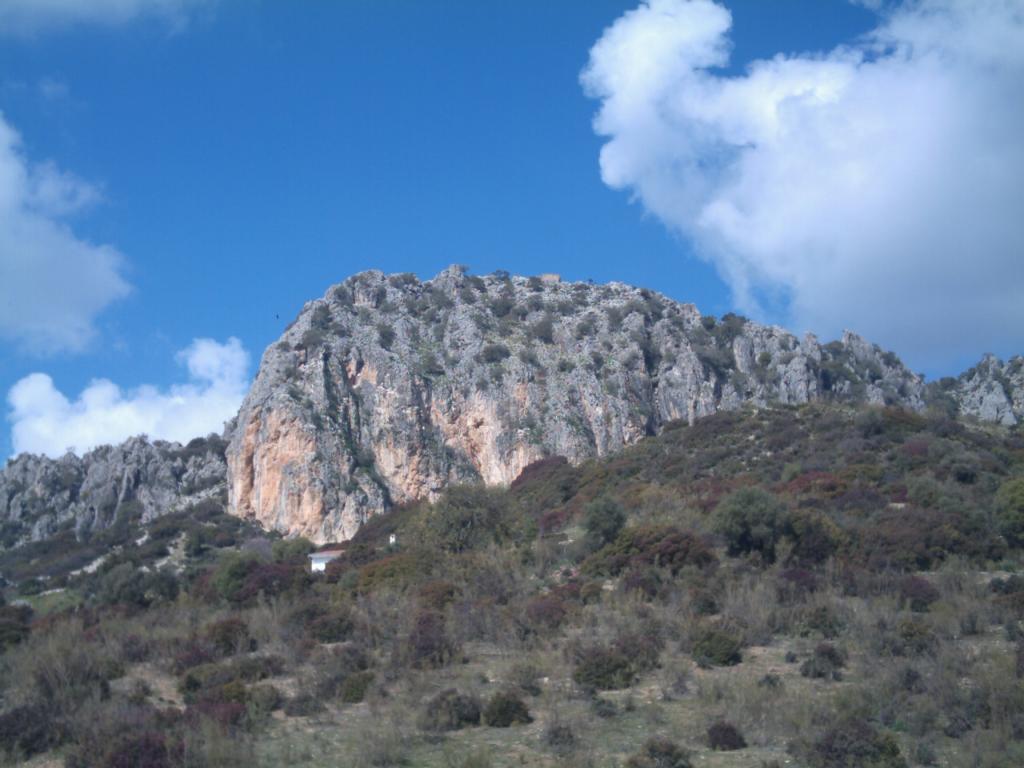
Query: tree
<point>1010,511</point>
<point>751,520</point>
<point>603,520</point>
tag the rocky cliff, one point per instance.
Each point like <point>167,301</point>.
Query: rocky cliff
<point>389,388</point>
<point>143,479</point>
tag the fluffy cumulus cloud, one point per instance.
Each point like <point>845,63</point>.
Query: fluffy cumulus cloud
<point>43,420</point>
<point>32,16</point>
<point>878,186</point>
<point>52,283</point>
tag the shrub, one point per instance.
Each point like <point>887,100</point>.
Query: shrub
<point>333,667</point>
<point>303,705</point>
<point>292,550</point>
<point>662,546</point>
<point>725,737</point>
<point>751,520</point>
<point>855,744</point>
<point>603,520</point>
<point>546,612</point>
<point>659,752</point>
<point>559,738</point>
<point>450,711</point>
<point>1010,511</point>
<point>25,731</point>
<point>142,750</point>
<point>543,330</point>
<point>505,709</point>
<point>494,353</point>
<point>825,663</point>
<point>354,689</point>
<point>918,593</point>
<point>332,627</point>
<point>385,335</point>
<point>264,699</point>
<point>604,668</point>
<point>468,517</point>
<point>437,595</point>
<point>716,647</point>
<point>14,624</point>
<point>429,643</point>
<point>526,677</point>
<point>228,636</point>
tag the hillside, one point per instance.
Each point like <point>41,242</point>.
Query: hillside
<point>823,585</point>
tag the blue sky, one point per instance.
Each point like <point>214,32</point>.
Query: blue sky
<point>246,155</point>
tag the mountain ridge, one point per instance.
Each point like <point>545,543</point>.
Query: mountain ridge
<point>389,388</point>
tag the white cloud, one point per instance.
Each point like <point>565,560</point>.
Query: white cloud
<point>52,283</point>
<point>32,16</point>
<point>877,186</point>
<point>43,420</point>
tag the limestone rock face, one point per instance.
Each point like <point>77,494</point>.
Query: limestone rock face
<point>388,388</point>
<point>39,495</point>
<point>991,391</point>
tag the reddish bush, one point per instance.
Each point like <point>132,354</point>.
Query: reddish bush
<point>642,581</point>
<point>796,583</point>
<point>272,579</point>
<point>918,593</point>
<point>144,750</point>
<point>437,594</point>
<point>546,612</point>
<point>192,653</point>
<point>226,714</point>
<point>429,643</point>
<point>662,546</point>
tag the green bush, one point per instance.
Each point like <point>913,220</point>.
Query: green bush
<point>543,330</point>
<point>1010,511</point>
<point>505,709</point>
<point>228,636</point>
<point>468,517</point>
<point>725,737</point>
<point>385,335</point>
<point>604,669</point>
<point>354,689</point>
<point>855,744</point>
<point>716,647</point>
<point>494,353</point>
<point>751,520</point>
<point>303,705</point>
<point>292,550</point>
<point>825,663</point>
<point>603,521</point>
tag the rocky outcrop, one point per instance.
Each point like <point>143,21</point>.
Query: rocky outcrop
<point>143,479</point>
<point>388,388</point>
<point>990,391</point>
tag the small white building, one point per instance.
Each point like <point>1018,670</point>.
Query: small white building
<point>318,560</point>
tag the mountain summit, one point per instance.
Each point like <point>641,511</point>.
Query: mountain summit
<point>390,388</point>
